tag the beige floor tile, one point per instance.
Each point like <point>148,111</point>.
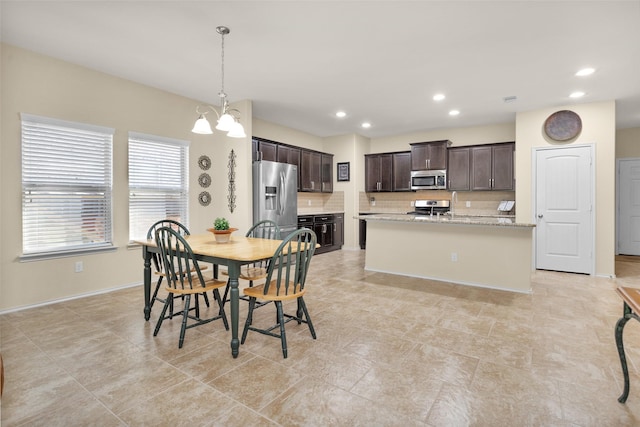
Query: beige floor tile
<point>389,351</point>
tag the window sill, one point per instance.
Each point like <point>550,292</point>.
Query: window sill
<point>65,254</point>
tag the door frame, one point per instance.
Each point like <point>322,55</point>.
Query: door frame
<point>617,228</point>
<point>534,194</point>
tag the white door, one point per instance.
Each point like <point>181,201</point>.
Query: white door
<point>629,207</point>
<point>564,209</point>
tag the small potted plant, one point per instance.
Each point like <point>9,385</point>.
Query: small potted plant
<point>221,230</point>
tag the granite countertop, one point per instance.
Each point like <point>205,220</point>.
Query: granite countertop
<point>501,221</point>
<point>319,213</point>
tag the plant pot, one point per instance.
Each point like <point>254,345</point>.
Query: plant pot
<point>222,236</point>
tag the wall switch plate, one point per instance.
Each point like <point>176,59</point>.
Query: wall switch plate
<point>454,256</point>
<point>413,203</point>
<point>308,202</point>
<point>79,266</point>
<point>468,204</point>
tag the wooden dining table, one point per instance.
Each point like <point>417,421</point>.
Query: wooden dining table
<point>234,254</point>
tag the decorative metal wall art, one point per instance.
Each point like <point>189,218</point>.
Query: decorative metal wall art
<point>231,197</point>
<point>204,162</point>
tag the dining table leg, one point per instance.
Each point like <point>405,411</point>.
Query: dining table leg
<point>147,282</point>
<point>234,273</point>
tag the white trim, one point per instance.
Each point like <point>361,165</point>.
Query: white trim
<point>88,294</point>
<point>32,118</point>
<point>616,225</point>
<point>158,139</point>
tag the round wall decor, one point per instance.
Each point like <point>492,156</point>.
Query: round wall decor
<point>204,162</point>
<point>563,125</point>
<point>204,198</point>
<point>204,180</point>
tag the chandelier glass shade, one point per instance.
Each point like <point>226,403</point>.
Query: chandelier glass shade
<point>229,118</point>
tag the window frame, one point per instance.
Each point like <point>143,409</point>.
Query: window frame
<point>140,142</point>
<point>39,178</point>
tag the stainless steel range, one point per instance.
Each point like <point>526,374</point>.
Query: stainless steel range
<point>431,207</point>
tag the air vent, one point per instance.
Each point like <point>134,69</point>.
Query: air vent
<point>508,99</point>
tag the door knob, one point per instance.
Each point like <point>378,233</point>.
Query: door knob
<point>540,215</point>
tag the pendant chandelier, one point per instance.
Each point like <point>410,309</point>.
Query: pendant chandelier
<point>229,118</point>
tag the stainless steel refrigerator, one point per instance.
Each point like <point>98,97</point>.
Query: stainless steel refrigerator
<point>275,194</point>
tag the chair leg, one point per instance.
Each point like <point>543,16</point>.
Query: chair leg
<point>155,293</point>
<point>221,312</point>
<point>252,304</point>
<point>283,336</point>
<point>206,298</point>
<point>185,316</point>
<point>197,306</point>
<point>167,302</point>
<point>303,305</point>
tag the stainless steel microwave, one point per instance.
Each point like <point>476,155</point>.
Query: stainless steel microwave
<point>429,180</point>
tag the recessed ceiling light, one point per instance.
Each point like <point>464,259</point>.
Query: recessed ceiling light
<point>585,72</point>
<point>577,94</point>
<point>438,97</point>
<point>454,112</point>
<point>341,114</point>
<point>366,125</point>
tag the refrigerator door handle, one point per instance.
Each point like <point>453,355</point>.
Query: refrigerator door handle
<point>282,200</point>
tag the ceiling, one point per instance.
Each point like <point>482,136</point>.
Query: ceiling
<point>379,61</point>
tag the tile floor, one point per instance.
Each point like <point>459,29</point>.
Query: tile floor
<point>391,351</point>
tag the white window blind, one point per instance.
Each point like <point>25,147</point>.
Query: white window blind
<point>158,182</point>
<point>66,186</point>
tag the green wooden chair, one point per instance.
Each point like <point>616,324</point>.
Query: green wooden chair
<point>184,279</point>
<point>265,229</point>
<point>285,281</point>
<point>157,261</point>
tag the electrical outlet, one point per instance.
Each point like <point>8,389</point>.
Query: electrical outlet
<point>413,203</point>
<point>454,257</point>
<point>308,202</point>
<point>468,204</point>
<point>79,266</point>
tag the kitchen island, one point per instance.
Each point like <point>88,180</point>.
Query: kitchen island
<point>490,252</point>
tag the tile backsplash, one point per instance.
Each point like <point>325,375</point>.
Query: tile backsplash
<point>480,202</point>
<point>310,203</point>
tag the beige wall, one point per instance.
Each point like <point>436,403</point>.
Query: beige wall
<point>40,85</point>
<point>458,136</point>
<point>628,143</point>
<point>598,128</point>
<point>36,84</point>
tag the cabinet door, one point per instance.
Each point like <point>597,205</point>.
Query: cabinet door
<point>503,167</point>
<point>402,171</point>
<point>267,151</point>
<point>310,171</point>
<point>290,155</point>
<point>459,168</point>
<point>438,155</point>
<point>371,173</point>
<point>419,157</point>
<point>386,172</point>
<point>429,155</point>
<point>481,170</point>
<point>338,231</point>
<point>327,173</point>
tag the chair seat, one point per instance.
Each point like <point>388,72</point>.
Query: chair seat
<point>209,285</point>
<point>250,273</point>
<point>258,292</point>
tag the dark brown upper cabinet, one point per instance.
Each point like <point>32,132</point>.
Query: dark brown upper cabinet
<point>378,172</point>
<point>459,168</point>
<point>402,171</point>
<point>429,155</point>
<point>492,167</point>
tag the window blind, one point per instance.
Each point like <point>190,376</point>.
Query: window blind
<point>66,186</point>
<point>158,182</point>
